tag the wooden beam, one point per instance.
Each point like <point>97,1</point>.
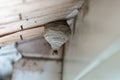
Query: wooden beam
<point>20,17</point>
<point>13,27</point>
<point>34,6</point>
<point>25,34</point>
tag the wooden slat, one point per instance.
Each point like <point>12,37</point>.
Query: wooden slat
<point>31,14</point>
<point>6,3</point>
<point>16,26</point>
<point>44,14</point>
<point>22,35</point>
<point>10,19</point>
<point>47,11</point>
<point>28,7</point>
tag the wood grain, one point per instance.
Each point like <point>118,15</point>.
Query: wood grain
<point>29,14</point>
<point>25,34</point>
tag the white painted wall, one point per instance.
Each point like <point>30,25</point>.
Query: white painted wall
<point>108,70</point>
<point>94,34</point>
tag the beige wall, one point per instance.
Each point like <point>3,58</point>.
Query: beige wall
<point>94,34</point>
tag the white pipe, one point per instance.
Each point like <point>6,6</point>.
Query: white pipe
<point>102,57</point>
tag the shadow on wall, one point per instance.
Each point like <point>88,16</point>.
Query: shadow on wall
<point>94,34</point>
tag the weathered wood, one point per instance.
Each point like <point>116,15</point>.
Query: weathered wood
<point>38,9</point>
<point>36,6</point>
<point>25,34</point>
<point>27,14</point>
<point>5,3</point>
<point>29,23</point>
